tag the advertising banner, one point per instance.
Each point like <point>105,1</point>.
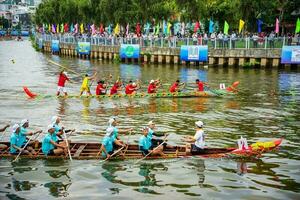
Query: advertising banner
<point>194,53</point>
<point>130,51</point>
<point>55,45</point>
<point>84,48</point>
<point>290,55</point>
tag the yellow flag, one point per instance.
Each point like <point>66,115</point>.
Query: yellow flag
<point>241,25</point>
<point>57,28</point>
<point>117,29</point>
<point>49,27</point>
<point>81,28</point>
<point>169,28</point>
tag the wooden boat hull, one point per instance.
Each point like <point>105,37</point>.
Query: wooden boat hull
<point>90,150</point>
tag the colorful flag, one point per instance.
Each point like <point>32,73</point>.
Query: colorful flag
<point>182,28</point>
<point>259,23</point>
<point>76,28</point>
<point>176,28</point>
<point>72,28</point>
<point>117,29</point>
<point>81,28</point>
<point>53,28</point>
<point>62,28</point>
<point>109,29</point>
<point>147,28</point>
<point>196,27</point>
<point>241,25</point>
<point>57,28</point>
<point>297,30</point>
<point>49,27</point>
<point>157,29</point>
<point>277,26</point>
<point>138,29</point>
<point>211,26</point>
<point>226,28</point>
<point>93,29</point>
<point>127,29</point>
<point>169,25</point>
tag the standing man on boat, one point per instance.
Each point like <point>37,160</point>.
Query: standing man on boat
<point>176,86</point>
<point>24,133</point>
<point>51,147</point>
<point>153,86</point>
<point>196,145</point>
<point>145,145</point>
<point>85,86</point>
<point>16,143</point>
<point>3,146</point>
<point>63,77</point>
<point>107,147</point>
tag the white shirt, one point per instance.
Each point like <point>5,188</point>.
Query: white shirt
<point>200,137</point>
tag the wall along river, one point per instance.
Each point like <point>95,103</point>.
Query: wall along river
<point>267,107</point>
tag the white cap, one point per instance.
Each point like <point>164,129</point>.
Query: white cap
<point>111,120</point>
<point>53,119</point>
<point>109,131</point>
<point>24,121</point>
<point>15,127</point>
<point>199,124</point>
<point>133,84</point>
<point>150,123</point>
<point>65,73</point>
<point>50,126</point>
<point>152,81</point>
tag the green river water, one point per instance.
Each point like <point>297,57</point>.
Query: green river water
<point>266,107</point>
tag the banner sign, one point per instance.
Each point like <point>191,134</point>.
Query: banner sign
<point>130,51</point>
<point>55,45</point>
<point>290,55</point>
<point>25,33</point>
<point>84,48</point>
<point>40,43</point>
<point>194,53</point>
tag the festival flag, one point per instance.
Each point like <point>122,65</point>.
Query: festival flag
<point>76,28</point>
<point>169,25</point>
<point>226,28</point>
<point>72,28</point>
<point>165,28</point>
<point>127,29</point>
<point>138,29</point>
<point>241,25</point>
<point>157,29</point>
<point>176,28</point>
<point>297,30</point>
<point>81,28</point>
<point>117,29</point>
<point>109,29</point>
<point>93,29</point>
<point>62,28</point>
<point>57,28</point>
<point>182,28</point>
<point>277,26</point>
<point>211,26</point>
<point>196,27</point>
<point>49,27</point>
<point>259,23</point>
<point>147,28</point>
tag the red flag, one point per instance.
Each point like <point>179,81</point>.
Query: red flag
<point>101,29</point>
<point>66,28</point>
<point>138,29</point>
<point>197,26</point>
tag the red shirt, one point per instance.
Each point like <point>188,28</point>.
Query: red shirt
<point>129,89</point>
<point>100,89</point>
<point>62,80</point>
<point>114,89</point>
<point>174,87</point>
<point>151,88</point>
<point>201,86</point>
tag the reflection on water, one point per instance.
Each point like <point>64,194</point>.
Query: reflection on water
<point>266,107</point>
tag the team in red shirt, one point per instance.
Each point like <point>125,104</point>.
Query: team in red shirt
<point>61,83</point>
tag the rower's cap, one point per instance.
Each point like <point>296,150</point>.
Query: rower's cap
<point>15,127</point>
<point>152,81</point>
<point>50,126</point>
<point>109,131</point>
<point>24,121</point>
<point>199,124</point>
<point>111,120</point>
<point>151,123</point>
<point>53,119</point>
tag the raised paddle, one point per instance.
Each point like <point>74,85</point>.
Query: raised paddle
<point>67,143</point>
<point>26,146</point>
<point>165,140</point>
<point>64,67</point>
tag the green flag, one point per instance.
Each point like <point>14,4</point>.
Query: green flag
<point>226,28</point>
<point>157,29</point>
<point>297,26</point>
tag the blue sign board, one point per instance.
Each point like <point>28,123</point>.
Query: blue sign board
<point>25,33</point>
<point>55,45</point>
<point>84,48</point>
<point>290,55</point>
<point>194,53</point>
<point>130,51</point>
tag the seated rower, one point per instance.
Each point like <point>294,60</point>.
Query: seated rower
<point>59,131</point>
<point>51,147</point>
<point>146,147</point>
<point>116,88</point>
<point>16,144</point>
<point>200,85</point>
<point>176,86</point>
<point>131,88</point>
<point>151,133</point>
<point>153,86</point>
<point>198,141</point>
<point>107,147</point>
<point>101,88</point>
<point>112,122</point>
<point>3,146</point>
<point>24,132</point>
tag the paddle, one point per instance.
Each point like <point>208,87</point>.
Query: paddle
<point>26,146</point>
<point>4,128</point>
<point>113,154</point>
<point>127,142</point>
<point>165,140</point>
<point>67,143</point>
<point>64,67</point>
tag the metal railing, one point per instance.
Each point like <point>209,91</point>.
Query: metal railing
<point>175,42</point>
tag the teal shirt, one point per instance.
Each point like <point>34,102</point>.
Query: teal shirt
<point>22,134</point>
<point>115,133</point>
<point>46,144</point>
<point>144,143</point>
<point>150,133</point>
<point>57,128</point>
<point>108,144</point>
<point>15,139</point>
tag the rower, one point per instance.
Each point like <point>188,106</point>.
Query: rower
<point>153,86</point>
<point>145,144</point>
<point>85,86</point>
<point>3,146</point>
<point>101,88</point>
<point>151,133</point>
<point>198,141</point>
<point>59,131</point>
<point>24,132</point>
<point>51,147</point>
<point>116,88</point>
<point>200,85</point>
<point>63,77</point>
<point>176,86</point>
<point>107,147</point>
<point>16,144</point>
<point>131,88</point>
<point>112,122</point>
